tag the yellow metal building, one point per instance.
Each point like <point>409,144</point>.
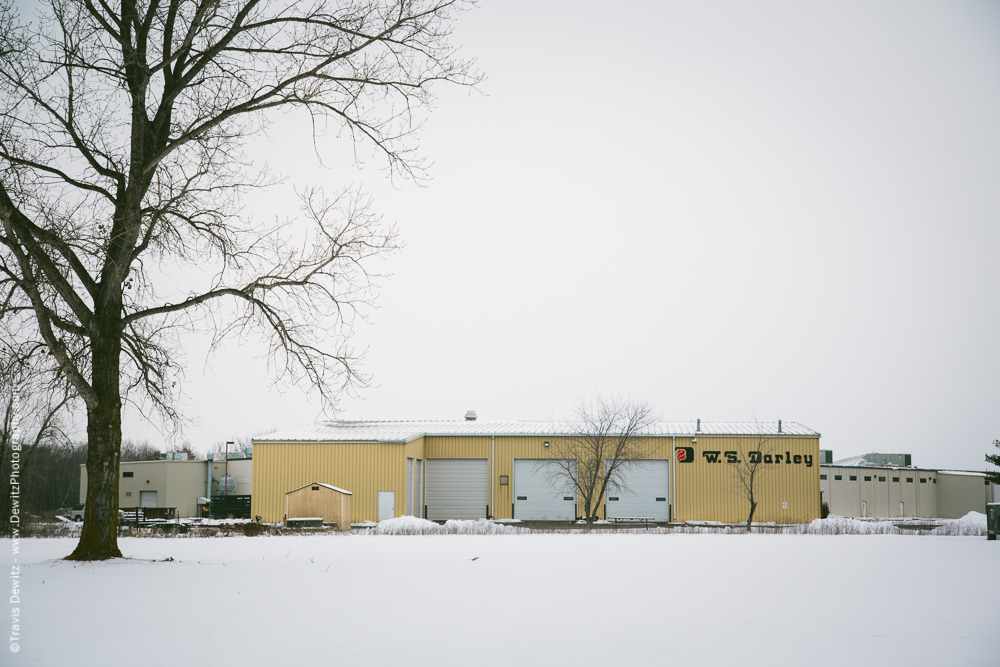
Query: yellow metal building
<point>470,469</point>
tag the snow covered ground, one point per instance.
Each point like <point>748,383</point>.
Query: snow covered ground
<point>514,599</point>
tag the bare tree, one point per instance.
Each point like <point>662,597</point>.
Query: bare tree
<point>133,450</point>
<point>609,440</point>
<point>33,413</point>
<point>122,129</point>
<point>749,464</point>
<point>241,443</point>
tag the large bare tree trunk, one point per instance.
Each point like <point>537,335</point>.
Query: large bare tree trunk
<point>99,538</point>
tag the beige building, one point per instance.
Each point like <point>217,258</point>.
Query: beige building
<point>859,487</point>
<point>176,484</point>
<point>471,469</point>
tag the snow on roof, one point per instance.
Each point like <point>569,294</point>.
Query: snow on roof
<point>858,461</point>
<point>971,473</point>
<point>407,431</point>
<point>328,486</point>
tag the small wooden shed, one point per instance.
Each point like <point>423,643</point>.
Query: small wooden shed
<point>320,500</point>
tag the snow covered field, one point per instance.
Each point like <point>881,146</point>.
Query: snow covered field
<point>524,599</point>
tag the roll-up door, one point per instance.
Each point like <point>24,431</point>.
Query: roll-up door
<point>539,495</point>
<point>456,488</point>
<point>647,490</point>
<point>147,499</point>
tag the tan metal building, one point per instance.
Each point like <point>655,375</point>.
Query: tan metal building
<point>471,469</point>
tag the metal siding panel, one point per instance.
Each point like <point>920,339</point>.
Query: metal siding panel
<point>361,468</point>
<point>706,491</point>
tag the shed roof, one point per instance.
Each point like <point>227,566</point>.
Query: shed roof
<point>406,431</point>
<point>328,486</point>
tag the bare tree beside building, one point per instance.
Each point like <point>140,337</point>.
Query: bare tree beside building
<point>122,136</point>
<point>750,465</point>
<point>609,440</point>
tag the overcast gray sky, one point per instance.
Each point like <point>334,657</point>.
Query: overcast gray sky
<point>775,208</point>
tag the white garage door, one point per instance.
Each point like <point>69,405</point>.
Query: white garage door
<point>147,499</point>
<point>456,488</point>
<point>539,497</point>
<point>648,485</point>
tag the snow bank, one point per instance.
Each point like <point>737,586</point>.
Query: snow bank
<point>839,525</point>
<point>411,525</point>
<point>973,523</point>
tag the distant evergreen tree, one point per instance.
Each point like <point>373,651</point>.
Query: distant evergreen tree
<point>994,475</point>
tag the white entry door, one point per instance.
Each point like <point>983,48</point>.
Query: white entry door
<point>147,499</point>
<point>386,505</point>
<point>646,489</point>
<point>539,495</point>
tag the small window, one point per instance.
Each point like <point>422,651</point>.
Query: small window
<point>822,476</point>
<point>895,479</point>
<point>661,500</point>
<point>881,479</point>
<point>934,479</point>
<point>837,477</point>
<point>923,480</point>
<point>128,494</point>
<point>613,498</point>
<point>128,474</point>
<point>909,480</point>
<point>854,478</point>
<point>868,478</point>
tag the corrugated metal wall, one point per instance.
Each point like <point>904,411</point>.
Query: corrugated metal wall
<point>362,468</point>
<point>508,449</point>
<point>788,492</point>
<point>848,497</point>
<point>704,490</point>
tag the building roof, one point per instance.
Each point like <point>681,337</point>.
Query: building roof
<point>328,486</point>
<point>407,431</point>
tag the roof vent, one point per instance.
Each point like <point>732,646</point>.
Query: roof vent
<point>698,427</point>
<point>779,426</point>
<point>470,416</point>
